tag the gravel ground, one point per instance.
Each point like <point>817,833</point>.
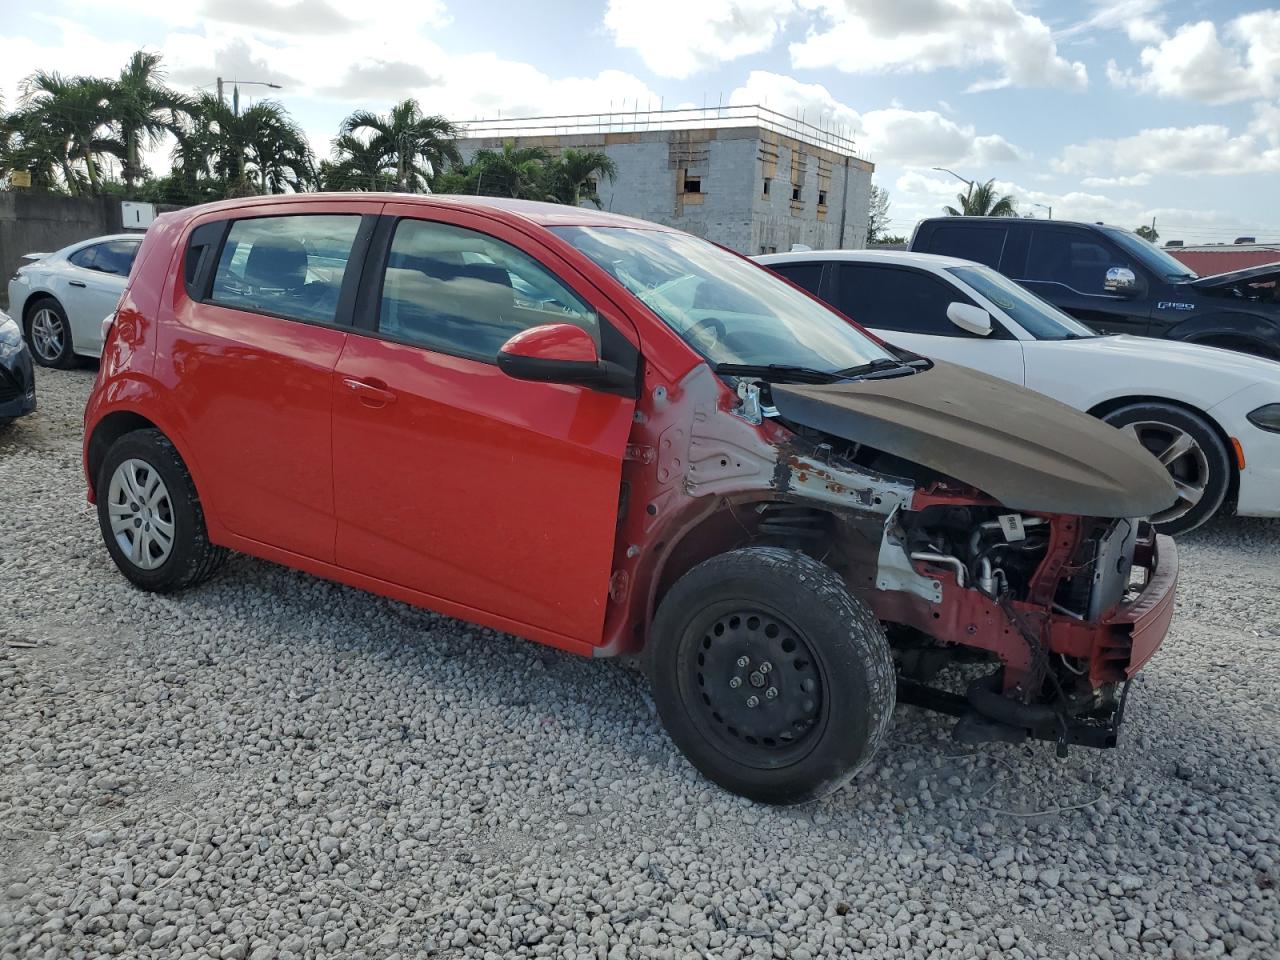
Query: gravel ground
<point>276,766</point>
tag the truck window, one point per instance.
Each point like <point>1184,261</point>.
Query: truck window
<point>968,242</point>
<point>1074,258</point>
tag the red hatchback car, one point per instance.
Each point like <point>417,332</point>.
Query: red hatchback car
<point>609,436</point>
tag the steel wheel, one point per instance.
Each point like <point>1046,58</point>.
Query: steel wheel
<point>141,514</point>
<point>758,686</point>
<point>48,335</point>
<point>1182,456</point>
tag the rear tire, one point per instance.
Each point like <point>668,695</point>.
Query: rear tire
<point>49,335</point>
<point>777,627</point>
<point>150,515</point>
<point>1193,453</point>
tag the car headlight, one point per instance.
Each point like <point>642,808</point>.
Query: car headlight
<point>1266,417</point>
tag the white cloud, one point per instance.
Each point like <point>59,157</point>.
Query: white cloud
<point>1199,150</point>
<point>676,38</point>
<point>868,36</point>
<point>1140,20</point>
<point>811,102</point>
<point>892,135</point>
<point>925,137</point>
<point>1137,180</point>
<point>1197,63</point>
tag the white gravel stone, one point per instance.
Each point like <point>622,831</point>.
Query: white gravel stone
<point>275,766</point>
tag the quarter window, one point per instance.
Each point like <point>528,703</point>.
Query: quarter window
<point>893,298</point>
<point>289,267</point>
<point>460,292</point>
<point>86,257</point>
<point>1073,258</point>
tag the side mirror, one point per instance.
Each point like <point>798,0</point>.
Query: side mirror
<point>562,353</point>
<point>1121,281</point>
<point>969,318</point>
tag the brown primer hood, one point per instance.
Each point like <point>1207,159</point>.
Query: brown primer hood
<point>1024,449</point>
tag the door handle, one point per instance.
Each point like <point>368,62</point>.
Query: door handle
<point>76,283</point>
<point>370,394</point>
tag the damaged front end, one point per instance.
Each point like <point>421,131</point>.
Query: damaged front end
<point>975,539</point>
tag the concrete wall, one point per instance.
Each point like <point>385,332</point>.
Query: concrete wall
<point>45,222</point>
<point>731,164</point>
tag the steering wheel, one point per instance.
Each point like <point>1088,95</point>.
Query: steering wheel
<point>709,331</point>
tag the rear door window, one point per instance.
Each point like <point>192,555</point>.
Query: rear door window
<point>461,292</point>
<point>808,276</point>
<point>897,298</point>
<point>290,267</point>
<point>116,256</point>
<point>983,244</point>
<point>1074,258</point>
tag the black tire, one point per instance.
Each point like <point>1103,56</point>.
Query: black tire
<point>66,357</point>
<point>191,558</point>
<point>1211,473</point>
<point>834,672</point>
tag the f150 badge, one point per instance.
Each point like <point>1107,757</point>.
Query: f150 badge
<point>1174,305</point>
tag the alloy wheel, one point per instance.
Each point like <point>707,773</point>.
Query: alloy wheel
<point>1182,456</point>
<point>758,686</point>
<point>141,514</point>
<point>48,336</point>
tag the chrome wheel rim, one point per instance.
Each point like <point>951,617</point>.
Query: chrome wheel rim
<point>1182,456</point>
<point>47,334</point>
<point>141,514</point>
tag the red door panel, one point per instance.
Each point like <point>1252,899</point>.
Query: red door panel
<point>453,479</point>
<point>257,396</point>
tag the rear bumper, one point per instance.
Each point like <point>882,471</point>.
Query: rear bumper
<point>17,387</point>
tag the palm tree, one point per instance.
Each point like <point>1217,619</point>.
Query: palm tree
<point>277,148</point>
<point>981,201</point>
<point>417,145</point>
<point>356,165</point>
<point>70,117</point>
<point>143,110</point>
<point>520,172</point>
<point>577,174</point>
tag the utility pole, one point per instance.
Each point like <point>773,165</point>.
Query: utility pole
<point>971,183</point>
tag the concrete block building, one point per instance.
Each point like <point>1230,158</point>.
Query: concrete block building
<point>745,177</point>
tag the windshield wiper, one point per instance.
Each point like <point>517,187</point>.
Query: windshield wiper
<point>779,372</point>
<point>884,367</point>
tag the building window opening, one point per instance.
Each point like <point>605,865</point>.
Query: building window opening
<point>795,192</point>
<point>766,187</point>
<point>692,184</point>
<point>822,198</point>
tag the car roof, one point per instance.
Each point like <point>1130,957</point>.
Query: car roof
<point>929,261</point>
<point>501,208</point>
<point>1029,221</point>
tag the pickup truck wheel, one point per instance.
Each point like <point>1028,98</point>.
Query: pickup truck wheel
<point>1190,450</point>
<point>769,675</point>
<point>150,515</point>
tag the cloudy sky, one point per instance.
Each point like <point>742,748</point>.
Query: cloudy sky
<point>1121,110</point>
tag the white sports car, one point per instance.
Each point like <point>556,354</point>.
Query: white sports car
<point>59,299</point>
<point>1211,416</point>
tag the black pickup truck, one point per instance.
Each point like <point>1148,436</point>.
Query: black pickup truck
<point>1116,282</point>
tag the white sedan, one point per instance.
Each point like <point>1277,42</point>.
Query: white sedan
<point>60,298</point>
<point>1211,416</point>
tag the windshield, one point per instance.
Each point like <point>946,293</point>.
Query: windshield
<point>1039,318</point>
<point>1151,256</point>
<point>726,308</point>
